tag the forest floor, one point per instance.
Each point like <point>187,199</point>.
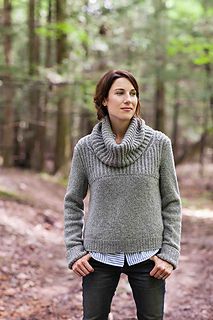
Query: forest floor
<point>35,283</point>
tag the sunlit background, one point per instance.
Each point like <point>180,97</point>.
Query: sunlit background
<point>53,53</point>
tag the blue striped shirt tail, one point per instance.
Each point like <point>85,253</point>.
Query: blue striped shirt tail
<point>117,259</point>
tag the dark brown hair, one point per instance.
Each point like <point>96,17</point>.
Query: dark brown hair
<point>104,85</point>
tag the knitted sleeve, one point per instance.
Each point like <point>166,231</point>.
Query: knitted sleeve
<point>171,206</point>
<point>74,210</point>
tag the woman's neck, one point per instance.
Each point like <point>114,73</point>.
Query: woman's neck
<point>119,128</point>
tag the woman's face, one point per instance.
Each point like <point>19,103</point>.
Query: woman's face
<point>122,101</point>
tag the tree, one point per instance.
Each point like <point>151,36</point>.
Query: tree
<point>62,149</point>
<point>36,132</point>
<point>8,90</point>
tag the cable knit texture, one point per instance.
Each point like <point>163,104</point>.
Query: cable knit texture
<point>134,200</point>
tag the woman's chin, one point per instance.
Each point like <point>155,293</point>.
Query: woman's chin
<point>122,117</point>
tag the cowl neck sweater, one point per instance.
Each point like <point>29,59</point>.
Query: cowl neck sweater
<point>134,142</point>
<point>134,201</point>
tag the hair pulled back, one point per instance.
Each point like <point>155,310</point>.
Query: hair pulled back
<point>103,86</point>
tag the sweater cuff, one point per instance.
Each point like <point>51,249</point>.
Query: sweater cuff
<point>169,254</point>
<point>75,254</point>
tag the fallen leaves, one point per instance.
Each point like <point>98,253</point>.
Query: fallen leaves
<point>35,283</point>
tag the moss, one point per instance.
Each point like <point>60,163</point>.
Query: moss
<point>57,179</point>
<point>12,196</point>
<point>204,200</point>
<point>8,195</point>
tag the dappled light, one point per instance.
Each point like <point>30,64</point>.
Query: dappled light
<point>36,283</point>
<point>89,169</point>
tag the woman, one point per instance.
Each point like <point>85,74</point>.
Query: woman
<point>134,217</point>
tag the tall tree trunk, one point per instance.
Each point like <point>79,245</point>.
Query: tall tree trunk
<point>207,115</point>
<point>203,141</point>
<point>63,144</point>
<point>86,27</point>
<point>8,90</point>
<point>30,135</point>
<point>160,59</point>
<point>208,69</point>
<point>62,148</point>
<point>35,146</point>
<point>32,38</point>
<point>49,56</point>
<point>159,103</point>
<point>176,112</point>
<point>40,130</point>
<point>61,41</point>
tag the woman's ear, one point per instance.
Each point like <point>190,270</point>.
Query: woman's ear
<point>104,103</point>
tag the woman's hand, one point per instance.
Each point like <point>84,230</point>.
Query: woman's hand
<point>162,268</point>
<point>82,267</point>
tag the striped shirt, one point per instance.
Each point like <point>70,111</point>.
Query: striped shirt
<point>117,259</point>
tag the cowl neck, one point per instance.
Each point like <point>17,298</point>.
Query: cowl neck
<point>135,140</point>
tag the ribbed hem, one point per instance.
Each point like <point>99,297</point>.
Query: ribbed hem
<point>169,254</point>
<point>74,254</point>
<point>106,246</point>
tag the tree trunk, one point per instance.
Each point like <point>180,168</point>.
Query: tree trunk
<point>61,41</point>
<point>175,120</point>
<point>62,148</point>
<point>31,42</point>
<point>208,69</point>
<point>35,145</point>
<point>30,134</point>
<point>48,58</point>
<point>8,90</point>
<point>160,60</point>
<point>159,102</point>
<point>207,115</point>
<point>38,154</point>
<point>86,26</point>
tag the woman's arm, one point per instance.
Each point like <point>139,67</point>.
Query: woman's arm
<point>74,209</point>
<point>171,206</point>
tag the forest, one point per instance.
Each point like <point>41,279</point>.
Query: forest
<point>52,54</point>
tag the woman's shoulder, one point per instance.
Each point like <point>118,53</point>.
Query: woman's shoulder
<point>83,142</point>
<point>158,135</point>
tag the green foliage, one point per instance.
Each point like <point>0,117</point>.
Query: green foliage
<point>199,51</point>
<point>48,31</point>
<point>167,37</point>
<point>192,36</point>
<point>190,10</point>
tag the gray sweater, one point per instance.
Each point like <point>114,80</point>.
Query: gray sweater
<point>134,200</point>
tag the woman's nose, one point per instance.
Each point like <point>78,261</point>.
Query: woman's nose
<point>127,98</point>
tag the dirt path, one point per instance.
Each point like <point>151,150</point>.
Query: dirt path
<point>35,282</point>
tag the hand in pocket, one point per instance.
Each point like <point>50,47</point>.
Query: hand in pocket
<point>162,268</point>
<point>82,266</point>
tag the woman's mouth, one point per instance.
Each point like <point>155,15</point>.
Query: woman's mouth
<point>127,109</point>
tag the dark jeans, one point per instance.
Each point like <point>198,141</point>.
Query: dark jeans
<point>99,288</point>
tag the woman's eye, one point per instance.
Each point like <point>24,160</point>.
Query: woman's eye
<point>133,93</point>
